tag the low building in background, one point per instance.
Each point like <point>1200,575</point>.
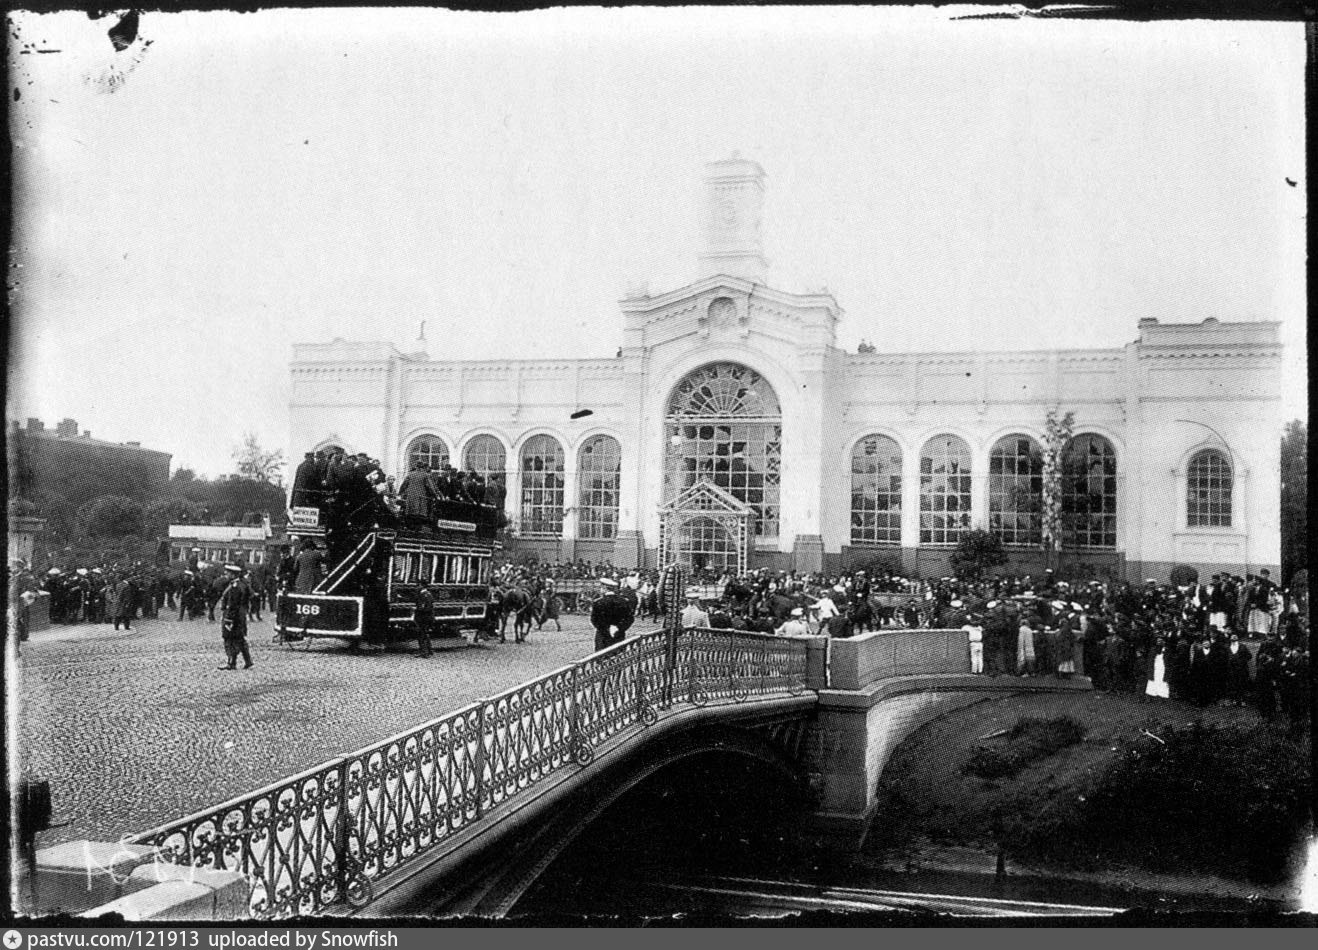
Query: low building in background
<point>248,544</point>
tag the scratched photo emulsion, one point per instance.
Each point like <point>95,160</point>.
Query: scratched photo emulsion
<point>655,464</point>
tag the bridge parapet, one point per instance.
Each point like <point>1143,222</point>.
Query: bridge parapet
<point>321,841</point>
<point>858,662</point>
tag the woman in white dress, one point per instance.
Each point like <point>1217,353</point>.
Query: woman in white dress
<point>1025,665</point>
<point>1157,684</point>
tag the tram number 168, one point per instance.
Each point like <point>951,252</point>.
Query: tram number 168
<point>309,610</point>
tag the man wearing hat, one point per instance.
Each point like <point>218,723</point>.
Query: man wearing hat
<point>692,614</point>
<point>611,615</point>
<point>304,482</point>
<point>121,602</point>
<point>233,618</point>
<point>794,625</point>
<point>1257,601</point>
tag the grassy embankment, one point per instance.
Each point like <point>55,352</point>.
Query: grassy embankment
<point>1092,782</point>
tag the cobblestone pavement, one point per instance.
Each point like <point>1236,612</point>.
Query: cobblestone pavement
<point>135,729</point>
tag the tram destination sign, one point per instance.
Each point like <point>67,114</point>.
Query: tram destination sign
<point>444,524</point>
<point>304,517</point>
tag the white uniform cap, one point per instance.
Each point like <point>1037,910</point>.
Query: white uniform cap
<point>956,603</point>
<point>798,612</point>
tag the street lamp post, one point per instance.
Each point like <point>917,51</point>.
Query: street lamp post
<point>1234,470</point>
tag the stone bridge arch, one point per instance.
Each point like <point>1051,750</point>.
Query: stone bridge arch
<point>496,882</point>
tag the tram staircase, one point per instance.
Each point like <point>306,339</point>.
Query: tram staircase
<point>405,823</point>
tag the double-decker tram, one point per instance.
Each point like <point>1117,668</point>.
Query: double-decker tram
<point>375,571</point>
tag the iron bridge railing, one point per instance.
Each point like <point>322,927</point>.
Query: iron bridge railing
<point>320,839</point>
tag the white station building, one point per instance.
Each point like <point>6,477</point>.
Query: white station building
<point>731,431</point>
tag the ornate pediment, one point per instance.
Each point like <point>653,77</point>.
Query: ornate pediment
<point>708,497</point>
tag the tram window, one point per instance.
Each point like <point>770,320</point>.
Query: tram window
<point>473,570</point>
<point>400,568</point>
<point>443,569</point>
<point>426,568</point>
<point>460,572</point>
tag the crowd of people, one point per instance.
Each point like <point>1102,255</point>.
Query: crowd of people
<point>119,594</point>
<point>1235,640</point>
<point>352,492</point>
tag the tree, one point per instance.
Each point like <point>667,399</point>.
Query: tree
<point>110,516</point>
<point>977,550</point>
<point>866,347</point>
<point>256,463</point>
<point>1057,435</point>
<point>1294,498</point>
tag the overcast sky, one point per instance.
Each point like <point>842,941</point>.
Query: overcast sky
<point>190,208</point>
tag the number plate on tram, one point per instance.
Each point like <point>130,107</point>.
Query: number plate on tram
<point>317,613</point>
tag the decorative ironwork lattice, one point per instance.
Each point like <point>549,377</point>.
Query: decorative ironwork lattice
<point>724,390</point>
<point>322,838</point>
<point>722,428</point>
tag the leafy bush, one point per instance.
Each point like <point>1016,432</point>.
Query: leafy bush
<point>976,551</point>
<point>1030,740</point>
<point>1183,575</point>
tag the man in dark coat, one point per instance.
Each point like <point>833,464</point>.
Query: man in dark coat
<point>425,618</point>
<point>1237,671</point>
<point>310,568</point>
<point>304,482</point>
<point>233,618</point>
<point>121,604</point>
<point>417,494</point>
<point>611,615</point>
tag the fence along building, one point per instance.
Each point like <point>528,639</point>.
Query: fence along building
<point>732,431</point>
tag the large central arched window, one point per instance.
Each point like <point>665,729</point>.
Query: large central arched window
<point>1208,491</point>
<point>599,472</point>
<point>944,490</point>
<point>876,491</point>
<point>724,426</point>
<point>542,487</point>
<point>1016,490</point>
<point>1089,493</point>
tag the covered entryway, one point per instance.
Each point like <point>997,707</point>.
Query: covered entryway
<point>705,529</point>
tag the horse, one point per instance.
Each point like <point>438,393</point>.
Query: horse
<point>547,606</point>
<point>860,616</point>
<point>516,603</point>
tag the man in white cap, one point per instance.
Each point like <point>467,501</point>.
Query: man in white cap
<point>233,618</point>
<point>826,611</point>
<point>611,615</point>
<point>692,614</point>
<point>795,625</point>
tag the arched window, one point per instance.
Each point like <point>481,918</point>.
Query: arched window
<point>1089,493</point>
<point>485,455</point>
<point>542,487</point>
<point>1208,491</point>
<point>944,490</point>
<point>429,450</point>
<point>1016,490</point>
<point>599,476</point>
<point>724,426</point>
<point>876,491</point>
